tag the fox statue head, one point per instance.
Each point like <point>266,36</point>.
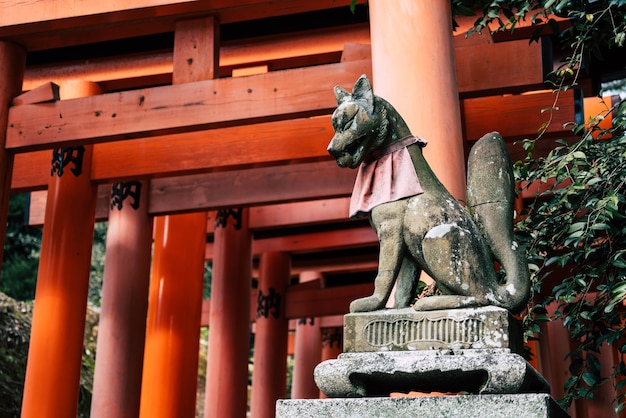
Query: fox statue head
<point>360,124</point>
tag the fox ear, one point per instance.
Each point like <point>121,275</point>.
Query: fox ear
<point>363,91</point>
<point>341,94</point>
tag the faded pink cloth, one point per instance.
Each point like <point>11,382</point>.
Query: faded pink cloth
<point>387,176</point>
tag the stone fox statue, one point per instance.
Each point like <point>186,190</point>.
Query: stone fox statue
<point>420,226</point>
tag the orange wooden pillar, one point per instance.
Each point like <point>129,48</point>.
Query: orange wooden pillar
<point>229,318</point>
<point>332,345</point>
<point>308,351</point>
<point>555,365</point>
<point>122,325</point>
<point>176,286</point>
<point>413,67</point>
<point>173,327</point>
<point>12,62</point>
<point>269,380</point>
<point>56,342</point>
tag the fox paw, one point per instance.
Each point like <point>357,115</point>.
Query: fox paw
<point>367,304</point>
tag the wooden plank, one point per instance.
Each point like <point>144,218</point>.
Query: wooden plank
<point>42,14</point>
<point>255,186</point>
<point>47,92</point>
<point>504,67</point>
<point>300,303</point>
<point>190,153</point>
<point>341,264</point>
<point>299,213</point>
<point>155,68</point>
<point>318,241</point>
<point>251,187</point>
<point>31,171</point>
<point>286,215</point>
<point>236,147</point>
<point>45,24</point>
<point>519,116</point>
<point>507,72</point>
<point>180,108</point>
<point>278,143</point>
<point>45,13</point>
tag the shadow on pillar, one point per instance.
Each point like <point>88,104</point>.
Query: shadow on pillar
<point>229,317</point>
<point>173,326</point>
<point>122,325</point>
<point>269,380</point>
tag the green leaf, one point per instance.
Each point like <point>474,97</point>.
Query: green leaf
<point>577,226</point>
<point>590,379</point>
<point>353,6</point>
<point>619,263</point>
<point>593,363</point>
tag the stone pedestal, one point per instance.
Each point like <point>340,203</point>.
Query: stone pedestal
<point>400,350</point>
<point>462,406</point>
<point>407,329</point>
<point>482,371</point>
<point>472,354</point>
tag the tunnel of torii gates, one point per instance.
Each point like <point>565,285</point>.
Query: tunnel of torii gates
<point>209,149</point>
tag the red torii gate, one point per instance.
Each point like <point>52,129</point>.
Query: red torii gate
<point>252,135</point>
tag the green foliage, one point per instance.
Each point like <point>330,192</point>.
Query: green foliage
<point>575,229</point>
<point>15,324</point>
<point>15,319</point>
<point>593,27</point>
<point>96,273</point>
<point>21,252</point>
<point>575,232</point>
<point>18,281</point>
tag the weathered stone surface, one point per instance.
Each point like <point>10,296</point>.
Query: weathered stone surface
<point>475,371</point>
<point>466,406</point>
<point>407,329</point>
<point>420,225</point>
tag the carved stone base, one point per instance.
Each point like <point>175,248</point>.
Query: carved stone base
<point>465,406</point>
<point>407,329</point>
<point>473,371</point>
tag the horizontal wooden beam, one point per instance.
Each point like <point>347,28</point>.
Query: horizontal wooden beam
<point>282,142</point>
<point>255,186</point>
<point>307,303</point>
<point>141,70</point>
<point>180,108</point>
<point>506,67</point>
<point>481,68</point>
<point>288,215</point>
<point>46,24</point>
<point>276,216</point>
<point>318,241</point>
<point>236,147</point>
<point>337,239</point>
<point>339,264</point>
<point>227,189</point>
<point>520,116</point>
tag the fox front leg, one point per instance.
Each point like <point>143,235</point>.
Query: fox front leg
<point>388,227</point>
<point>406,283</point>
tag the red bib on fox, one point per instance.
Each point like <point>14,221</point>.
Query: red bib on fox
<point>387,177</point>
